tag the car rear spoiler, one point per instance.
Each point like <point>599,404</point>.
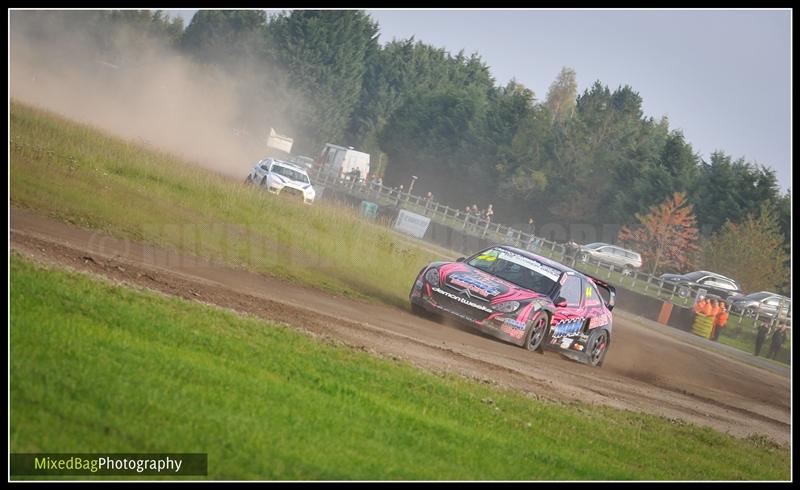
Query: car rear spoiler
<point>612,291</point>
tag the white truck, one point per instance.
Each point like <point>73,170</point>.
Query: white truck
<point>342,161</point>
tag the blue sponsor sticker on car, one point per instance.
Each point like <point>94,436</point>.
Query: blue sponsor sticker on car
<point>568,328</point>
<point>514,323</point>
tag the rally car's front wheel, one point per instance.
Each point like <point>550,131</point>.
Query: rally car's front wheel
<point>537,331</point>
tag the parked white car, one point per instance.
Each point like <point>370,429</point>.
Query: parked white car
<point>611,254</point>
<point>280,177</point>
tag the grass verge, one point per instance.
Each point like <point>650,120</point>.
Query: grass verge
<point>77,174</point>
<point>98,367</point>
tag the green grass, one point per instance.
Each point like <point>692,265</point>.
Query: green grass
<point>743,336</point>
<point>74,173</point>
<point>97,367</point>
<point>77,174</point>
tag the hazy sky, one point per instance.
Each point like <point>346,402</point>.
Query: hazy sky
<point>723,77</point>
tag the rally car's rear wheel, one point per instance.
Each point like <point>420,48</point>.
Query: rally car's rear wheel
<point>537,331</point>
<point>598,345</point>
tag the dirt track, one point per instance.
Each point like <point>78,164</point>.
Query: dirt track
<point>645,370</point>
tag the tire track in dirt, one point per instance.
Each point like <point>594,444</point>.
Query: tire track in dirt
<point>645,370</point>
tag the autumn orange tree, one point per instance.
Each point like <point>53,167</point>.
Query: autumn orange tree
<point>753,252</point>
<point>666,237</point>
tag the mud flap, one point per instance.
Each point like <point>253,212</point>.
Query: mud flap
<point>580,357</point>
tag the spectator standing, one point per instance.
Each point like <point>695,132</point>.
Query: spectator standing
<point>714,309</point>
<point>763,331</point>
<point>720,320</point>
<point>708,309</point>
<point>778,336</point>
<point>530,229</point>
<point>700,306</point>
<point>428,200</point>
<point>489,213</point>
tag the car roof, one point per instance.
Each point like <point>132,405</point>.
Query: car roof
<point>284,163</point>
<point>715,275</point>
<point>769,293</point>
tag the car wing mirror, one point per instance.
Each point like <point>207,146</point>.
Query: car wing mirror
<point>461,259</point>
<point>561,301</point>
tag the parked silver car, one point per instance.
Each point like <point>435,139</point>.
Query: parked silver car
<point>611,254</point>
<point>762,303</point>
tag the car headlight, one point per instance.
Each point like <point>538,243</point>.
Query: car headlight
<point>506,306</point>
<point>432,276</point>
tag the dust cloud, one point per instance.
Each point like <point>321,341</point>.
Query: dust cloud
<point>143,92</point>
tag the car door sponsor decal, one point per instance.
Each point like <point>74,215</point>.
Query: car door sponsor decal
<point>599,321</point>
<point>568,328</point>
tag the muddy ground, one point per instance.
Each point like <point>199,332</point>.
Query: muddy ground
<point>645,370</point>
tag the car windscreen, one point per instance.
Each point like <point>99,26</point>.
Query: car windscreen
<point>517,269</point>
<point>290,174</point>
<point>595,245</point>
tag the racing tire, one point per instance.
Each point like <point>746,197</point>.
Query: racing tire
<point>683,292</point>
<point>597,347</point>
<point>583,257</point>
<point>626,270</point>
<point>537,331</point>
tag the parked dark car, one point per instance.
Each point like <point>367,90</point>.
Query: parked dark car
<point>716,284</point>
<point>762,303</point>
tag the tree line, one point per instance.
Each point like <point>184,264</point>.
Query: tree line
<point>589,158</point>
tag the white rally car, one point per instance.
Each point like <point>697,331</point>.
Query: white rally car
<point>281,177</point>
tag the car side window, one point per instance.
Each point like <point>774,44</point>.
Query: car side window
<point>592,296</point>
<point>572,291</point>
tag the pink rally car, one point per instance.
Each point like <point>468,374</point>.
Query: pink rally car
<point>521,298</point>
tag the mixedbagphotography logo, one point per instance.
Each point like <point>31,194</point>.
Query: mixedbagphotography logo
<point>109,464</point>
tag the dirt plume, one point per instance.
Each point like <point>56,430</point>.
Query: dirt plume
<point>140,89</point>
